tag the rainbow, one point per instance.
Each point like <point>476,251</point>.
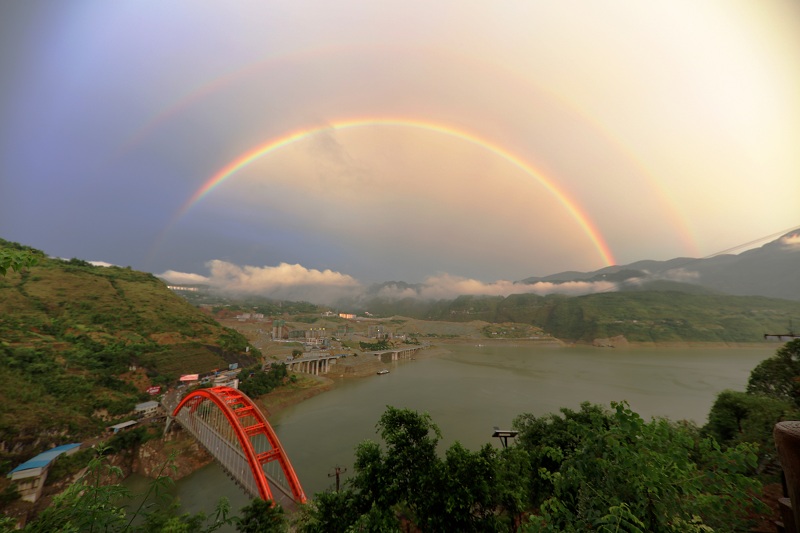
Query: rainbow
<point>247,158</point>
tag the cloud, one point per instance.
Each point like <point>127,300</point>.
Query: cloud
<point>678,274</point>
<point>284,282</point>
<point>296,282</point>
<point>446,286</point>
<point>791,241</point>
<point>183,278</point>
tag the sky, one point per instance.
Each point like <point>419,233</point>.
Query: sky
<point>302,147</point>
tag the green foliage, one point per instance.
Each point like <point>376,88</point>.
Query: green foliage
<point>549,439</point>
<point>7,524</point>
<point>382,344</point>
<point>96,502</point>
<point>329,512</point>
<point>14,256</point>
<point>233,341</point>
<point>750,417</point>
<point>585,470</point>
<point>70,332</point>
<point>9,494</point>
<point>739,417</point>
<point>169,521</point>
<point>659,314</point>
<point>307,319</point>
<point>262,517</point>
<point>91,502</point>
<point>68,465</point>
<point>647,476</point>
<point>129,439</point>
<point>463,491</point>
<point>777,377</point>
<point>260,382</point>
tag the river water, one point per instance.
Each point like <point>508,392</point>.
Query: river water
<point>474,388</point>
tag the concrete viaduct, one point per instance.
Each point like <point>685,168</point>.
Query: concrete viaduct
<point>320,363</point>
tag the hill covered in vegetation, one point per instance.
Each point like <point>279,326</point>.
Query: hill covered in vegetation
<point>662,314</point>
<point>80,344</point>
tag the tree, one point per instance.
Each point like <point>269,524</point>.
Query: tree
<point>329,512</point>
<point>96,502</point>
<point>256,382</point>
<point>741,417</point>
<point>778,376</point>
<point>548,439</point>
<point>641,476</point>
<point>17,259</point>
<point>262,516</point>
<point>409,479</point>
<point>585,470</point>
<point>407,473</point>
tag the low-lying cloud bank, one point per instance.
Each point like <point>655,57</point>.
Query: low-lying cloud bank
<point>282,282</point>
<point>296,282</point>
<point>446,287</point>
<point>791,241</point>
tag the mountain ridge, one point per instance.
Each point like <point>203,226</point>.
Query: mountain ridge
<point>770,270</point>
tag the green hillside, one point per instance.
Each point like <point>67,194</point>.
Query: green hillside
<point>79,344</point>
<point>641,315</point>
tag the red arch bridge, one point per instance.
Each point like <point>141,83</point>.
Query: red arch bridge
<point>230,426</point>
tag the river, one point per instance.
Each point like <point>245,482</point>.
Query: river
<point>474,388</point>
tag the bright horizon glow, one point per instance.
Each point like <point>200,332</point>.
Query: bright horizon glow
<point>216,84</point>
<point>246,158</point>
<point>460,144</point>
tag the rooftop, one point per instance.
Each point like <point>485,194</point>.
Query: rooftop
<point>45,458</point>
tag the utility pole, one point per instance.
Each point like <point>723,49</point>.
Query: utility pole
<point>336,472</point>
<point>504,435</point>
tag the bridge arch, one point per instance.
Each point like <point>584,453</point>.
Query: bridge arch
<point>249,425</point>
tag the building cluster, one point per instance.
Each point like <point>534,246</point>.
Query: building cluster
<point>183,288</point>
<point>244,317</point>
<point>30,476</point>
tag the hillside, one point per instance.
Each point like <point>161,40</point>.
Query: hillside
<point>660,316</point>
<point>769,270</point>
<point>79,345</point>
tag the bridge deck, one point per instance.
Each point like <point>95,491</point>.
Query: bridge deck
<point>213,429</point>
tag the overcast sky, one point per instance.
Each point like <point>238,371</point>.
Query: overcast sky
<point>315,144</point>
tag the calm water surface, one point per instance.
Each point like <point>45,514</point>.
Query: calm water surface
<point>473,389</point>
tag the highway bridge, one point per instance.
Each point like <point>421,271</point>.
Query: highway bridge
<point>232,428</point>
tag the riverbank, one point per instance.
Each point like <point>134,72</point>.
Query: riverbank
<point>307,386</point>
<point>614,342</point>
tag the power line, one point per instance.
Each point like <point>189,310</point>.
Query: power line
<point>751,243</point>
<point>616,285</point>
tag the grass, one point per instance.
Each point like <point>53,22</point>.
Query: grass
<point>70,331</point>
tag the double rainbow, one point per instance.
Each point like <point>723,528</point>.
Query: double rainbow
<point>249,157</point>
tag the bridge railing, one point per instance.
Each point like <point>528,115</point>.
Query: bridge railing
<point>236,433</point>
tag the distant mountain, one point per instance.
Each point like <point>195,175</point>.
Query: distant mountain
<point>772,270</point>
<point>726,298</point>
<point>654,315</point>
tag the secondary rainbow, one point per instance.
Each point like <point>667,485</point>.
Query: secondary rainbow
<point>247,158</point>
